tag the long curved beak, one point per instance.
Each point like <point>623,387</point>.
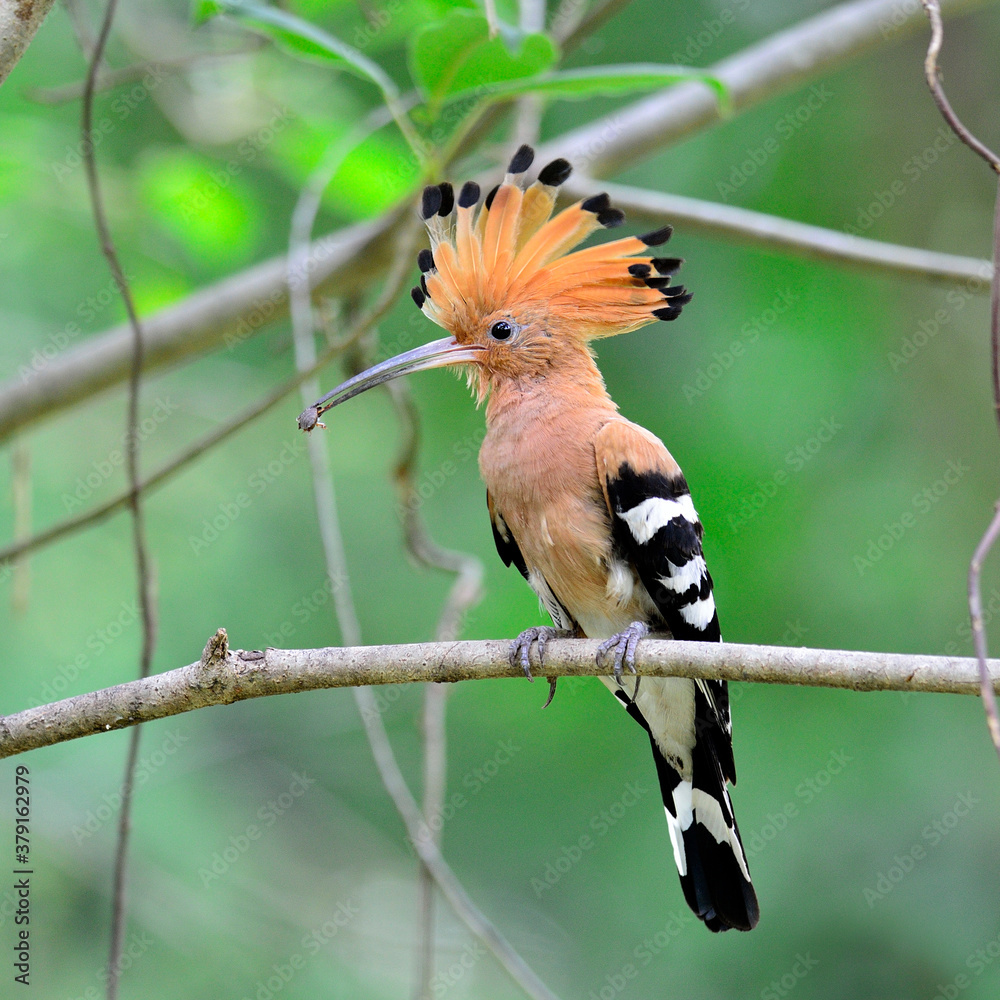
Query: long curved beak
<point>436,354</point>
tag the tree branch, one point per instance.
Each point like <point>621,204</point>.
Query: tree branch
<point>224,676</point>
<point>770,67</point>
<point>146,600</point>
<point>993,530</point>
<point>109,79</point>
<point>19,20</point>
<point>240,304</point>
<point>228,312</point>
<point>208,441</point>
<point>771,231</point>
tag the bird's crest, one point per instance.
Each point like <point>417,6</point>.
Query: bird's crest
<point>509,253</point>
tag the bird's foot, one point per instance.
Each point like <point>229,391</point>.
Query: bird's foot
<point>624,644</point>
<point>521,647</point>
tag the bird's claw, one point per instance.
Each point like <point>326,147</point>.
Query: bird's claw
<point>624,645</point>
<point>521,647</point>
<point>552,691</point>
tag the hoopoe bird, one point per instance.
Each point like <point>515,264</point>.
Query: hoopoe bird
<point>592,509</point>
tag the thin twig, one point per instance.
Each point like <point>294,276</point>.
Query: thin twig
<point>993,531</point>
<point>142,560</point>
<point>385,302</point>
<point>429,854</point>
<point>300,299</point>
<point>434,731</point>
<point>465,592</point>
<point>528,118</point>
<point>79,18</point>
<point>490,7</point>
<point>978,630</point>
<point>241,674</point>
<point>112,78</point>
<point>20,458</point>
<point>435,697</point>
<point>772,231</point>
<point>931,71</point>
<point>336,562</point>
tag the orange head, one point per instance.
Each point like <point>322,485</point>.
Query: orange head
<point>502,281</point>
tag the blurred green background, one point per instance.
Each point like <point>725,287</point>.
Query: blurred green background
<point>871,820</point>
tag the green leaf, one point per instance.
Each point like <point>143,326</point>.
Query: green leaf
<point>297,36</point>
<point>457,55</point>
<point>606,81</point>
<point>204,10</point>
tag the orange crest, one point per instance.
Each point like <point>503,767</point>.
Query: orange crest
<point>510,255</point>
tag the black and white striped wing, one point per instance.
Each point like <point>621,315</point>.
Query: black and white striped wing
<point>656,530</point>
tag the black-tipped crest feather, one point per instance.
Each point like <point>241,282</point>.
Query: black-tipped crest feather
<point>555,173</point>
<point>597,203</point>
<point>431,201</point>
<point>447,199</point>
<point>521,160</point>
<point>657,236</point>
<point>469,194</point>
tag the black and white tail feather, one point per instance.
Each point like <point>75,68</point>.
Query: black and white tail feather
<point>657,531</point>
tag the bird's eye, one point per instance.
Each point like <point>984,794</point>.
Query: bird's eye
<point>501,330</point>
